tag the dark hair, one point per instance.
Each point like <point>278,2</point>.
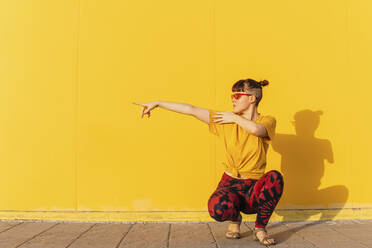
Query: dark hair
<point>252,86</point>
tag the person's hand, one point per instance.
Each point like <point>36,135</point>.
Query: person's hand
<point>224,117</point>
<point>147,107</point>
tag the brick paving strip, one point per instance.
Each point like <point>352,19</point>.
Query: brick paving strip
<point>325,234</point>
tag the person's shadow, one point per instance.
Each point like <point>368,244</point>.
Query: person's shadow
<point>302,165</point>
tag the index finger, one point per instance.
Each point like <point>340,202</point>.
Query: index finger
<point>138,103</point>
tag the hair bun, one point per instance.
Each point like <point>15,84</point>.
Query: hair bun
<point>263,83</point>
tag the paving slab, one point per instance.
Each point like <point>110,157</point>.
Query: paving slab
<point>21,233</point>
<point>102,235</point>
<point>148,235</point>
<point>191,235</point>
<point>358,231</point>
<point>334,233</point>
<point>4,226</point>
<point>60,235</point>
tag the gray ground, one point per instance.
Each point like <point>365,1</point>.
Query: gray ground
<point>338,234</point>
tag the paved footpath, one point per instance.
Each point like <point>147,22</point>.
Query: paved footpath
<point>27,234</point>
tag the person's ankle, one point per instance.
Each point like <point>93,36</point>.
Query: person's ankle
<point>260,227</point>
<point>234,227</point>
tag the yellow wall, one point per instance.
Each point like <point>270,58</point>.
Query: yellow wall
<point>71,139</point>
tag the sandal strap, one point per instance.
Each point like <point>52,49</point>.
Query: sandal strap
<point>266,240</point>
<point>231,234</point>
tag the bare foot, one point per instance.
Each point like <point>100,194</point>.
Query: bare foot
<point>264,238</point>
<point>233,231</point>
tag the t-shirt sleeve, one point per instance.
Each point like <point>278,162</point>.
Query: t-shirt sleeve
<point>270,124</point>
<point>215,128</point>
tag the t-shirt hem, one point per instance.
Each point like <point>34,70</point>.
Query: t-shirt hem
<point>248,175</point>
<point>251,175</point>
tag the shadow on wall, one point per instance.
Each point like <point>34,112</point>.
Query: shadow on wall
<point>302,165</point>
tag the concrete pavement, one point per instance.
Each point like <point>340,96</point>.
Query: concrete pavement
<point>319,234</point>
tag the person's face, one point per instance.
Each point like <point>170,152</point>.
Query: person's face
<point>241,101</point>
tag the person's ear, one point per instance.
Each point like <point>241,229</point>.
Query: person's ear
<point>253,99</point>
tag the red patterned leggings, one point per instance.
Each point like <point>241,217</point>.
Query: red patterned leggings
<point>248,196</point>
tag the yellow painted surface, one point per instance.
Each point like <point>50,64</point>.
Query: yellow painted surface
<point>178,216</point>
<point>73,146</point>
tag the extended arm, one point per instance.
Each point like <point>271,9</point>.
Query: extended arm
<point>183,108</point>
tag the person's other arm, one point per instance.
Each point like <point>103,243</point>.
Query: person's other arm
<point>254,128</point>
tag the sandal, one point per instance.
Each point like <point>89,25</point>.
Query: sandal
<point>231,234</point>
<point>265,241</point>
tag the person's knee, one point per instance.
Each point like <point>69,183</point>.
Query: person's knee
<point>217,217</point>
<point>221,209</point>
<point>214,208</point>
<point>276,177</point>
<point>217,212</point>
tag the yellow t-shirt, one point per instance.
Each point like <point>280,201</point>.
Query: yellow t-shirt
<point>245,153</point>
